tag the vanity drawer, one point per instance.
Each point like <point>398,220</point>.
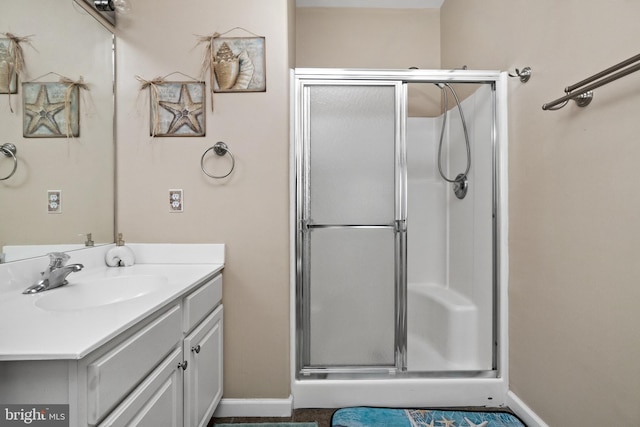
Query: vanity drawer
<point>114,374</point>
<point>156,402</point>
<point>201,302</point>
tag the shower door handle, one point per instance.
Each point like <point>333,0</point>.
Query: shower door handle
<point>310,226</point>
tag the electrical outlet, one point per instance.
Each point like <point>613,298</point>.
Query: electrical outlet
<point>176,201</point>
<point>54,201</point>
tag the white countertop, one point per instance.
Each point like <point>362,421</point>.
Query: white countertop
<point>29,332</point>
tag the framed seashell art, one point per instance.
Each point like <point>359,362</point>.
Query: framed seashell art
<point>177,109</point>
<point>238,64</point>
<point>8,74</point>
<point>50,110</point>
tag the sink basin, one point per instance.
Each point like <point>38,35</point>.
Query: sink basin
<point>93,293</point>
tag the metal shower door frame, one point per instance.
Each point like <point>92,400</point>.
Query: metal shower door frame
<point>301,77</point>
<point>301,88</point>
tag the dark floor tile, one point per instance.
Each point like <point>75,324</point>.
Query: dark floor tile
<point>322,416</point>
<point>238,420</point>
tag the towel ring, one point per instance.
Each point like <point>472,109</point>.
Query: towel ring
<point>10,150</point>
<point>220,148</point>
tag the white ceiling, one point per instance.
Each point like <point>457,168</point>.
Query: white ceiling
<point>391,4</point>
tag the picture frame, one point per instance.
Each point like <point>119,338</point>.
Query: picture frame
<point>51,110</point>
<point>239,64</point>
<point>178,109</point>
<point>8,75</point>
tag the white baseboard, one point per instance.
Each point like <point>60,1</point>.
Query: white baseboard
<point>284,408</point>
<point>523,411</point>
<point>254,408</point>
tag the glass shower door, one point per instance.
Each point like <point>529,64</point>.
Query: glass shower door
<point>351,227</point>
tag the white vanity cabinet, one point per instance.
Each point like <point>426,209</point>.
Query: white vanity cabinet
<point>166,370</point>
<point>158,401</point>
<point>183,388</point>
<point>203,376</point>
<point>202,351</point>
<point>111,372</point>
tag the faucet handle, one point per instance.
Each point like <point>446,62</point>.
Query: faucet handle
<point>57,259</point>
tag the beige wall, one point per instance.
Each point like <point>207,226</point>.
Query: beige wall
<point>574,233</point>
<point>373,38</point>
<point>82,167</point>
<point>249,210</point>
<point>367,38</point>
<point>573,288</point>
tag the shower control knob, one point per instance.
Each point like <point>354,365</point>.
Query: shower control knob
<point>460,186</point>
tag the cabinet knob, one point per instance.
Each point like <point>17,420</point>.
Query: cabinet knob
<point>183,365</point>
<point>196,348</point>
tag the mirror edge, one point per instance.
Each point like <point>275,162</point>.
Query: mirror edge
<point>67,248</point>
<point>97,15</point>
<point>110,26</point>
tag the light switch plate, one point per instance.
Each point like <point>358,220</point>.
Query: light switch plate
<point>176,201</point>
<point>54,201</point>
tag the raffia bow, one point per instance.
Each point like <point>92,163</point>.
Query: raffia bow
<point>208,59</point>
<point>16,63</point>
<point>152,85</point>
<point>71,86</point>
<point>18,55</point>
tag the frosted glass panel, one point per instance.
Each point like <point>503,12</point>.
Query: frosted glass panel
<point>352,297</point>
<point>352,133</point>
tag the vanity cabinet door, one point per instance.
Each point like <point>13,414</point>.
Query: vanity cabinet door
<point>158,401</point>
<point>203,377</point>
<point>118,370</point>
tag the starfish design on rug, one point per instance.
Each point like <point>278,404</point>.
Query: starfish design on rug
<point>421,413</point>
<point>446,423</point>
<point>185,112</point>
<point>482,424</point>
<point>42,113</point>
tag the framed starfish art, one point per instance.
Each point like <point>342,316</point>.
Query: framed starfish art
<point>178,109</point>
<point>50,110</point>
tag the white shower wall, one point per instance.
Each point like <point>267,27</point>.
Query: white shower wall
<point>450,241</point>
<point>426,204</point>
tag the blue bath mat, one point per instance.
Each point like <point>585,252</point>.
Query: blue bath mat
<point>388,417</point>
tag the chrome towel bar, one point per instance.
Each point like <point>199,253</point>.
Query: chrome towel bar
<point>584,95</point>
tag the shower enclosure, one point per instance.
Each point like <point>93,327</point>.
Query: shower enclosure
<point>399,282</point>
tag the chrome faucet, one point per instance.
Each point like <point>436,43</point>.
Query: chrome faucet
<point>55,275</point>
